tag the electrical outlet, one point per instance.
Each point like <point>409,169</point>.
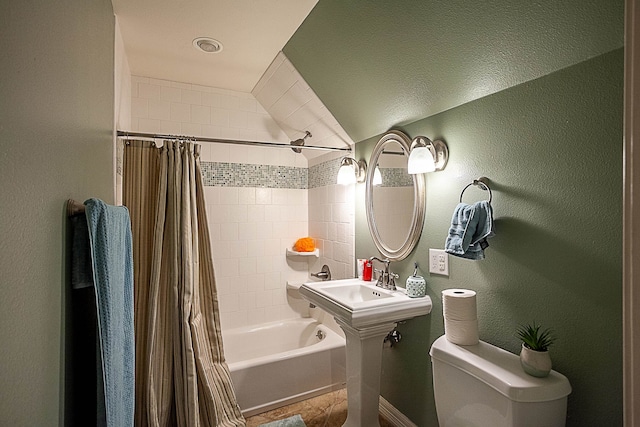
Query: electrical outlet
<point>438,262</point>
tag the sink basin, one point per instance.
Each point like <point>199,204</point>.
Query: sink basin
<point>363,304</point>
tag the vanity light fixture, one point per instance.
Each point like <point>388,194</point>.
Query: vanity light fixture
<point>377,176</point>
<point>351,171</point>
<point>427,156</point>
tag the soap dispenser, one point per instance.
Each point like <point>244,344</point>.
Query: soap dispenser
<point>416,285</point>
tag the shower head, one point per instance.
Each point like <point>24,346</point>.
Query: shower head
<point>299,142</point>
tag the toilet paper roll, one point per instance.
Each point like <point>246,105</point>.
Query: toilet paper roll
<point>461,332</point>
<point>459,304</point>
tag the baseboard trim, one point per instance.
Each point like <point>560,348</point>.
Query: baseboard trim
<point>391,414</point>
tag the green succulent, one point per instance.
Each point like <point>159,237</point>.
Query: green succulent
<point>534,338</point>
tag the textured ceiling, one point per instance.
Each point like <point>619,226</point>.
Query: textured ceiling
<point>376,65</point>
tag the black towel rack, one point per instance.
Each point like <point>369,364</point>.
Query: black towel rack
<point>480,183</point>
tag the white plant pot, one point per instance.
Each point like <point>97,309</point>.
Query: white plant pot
<point>536,363</point>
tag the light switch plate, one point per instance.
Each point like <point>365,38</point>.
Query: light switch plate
<point>438,262</point>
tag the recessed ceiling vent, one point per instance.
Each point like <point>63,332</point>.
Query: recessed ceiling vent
<point>207,45</point>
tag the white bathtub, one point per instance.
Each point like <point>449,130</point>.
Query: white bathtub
<point>279,363</point>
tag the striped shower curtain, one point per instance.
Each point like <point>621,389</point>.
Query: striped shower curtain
<point>182,378</point>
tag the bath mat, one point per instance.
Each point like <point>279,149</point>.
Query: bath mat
<point>295,421</point>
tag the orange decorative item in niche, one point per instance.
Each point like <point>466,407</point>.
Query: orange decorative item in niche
<point>304,244</point>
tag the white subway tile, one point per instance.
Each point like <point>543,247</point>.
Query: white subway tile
<point>263,196</point>
<point>215,232</point>
<point>190,129</point>
<point>201,114</point>
<point>220,250</point>
<point>229,232</point>
<point>247,231</point>
<point>255,248</point>
<point>263,299</point>
<point>256,213</point>
<point>229,133</point>
<point>239,250</point>
<point>238,119</point>
<point>139,108</point>
<point>171,94</point>
<point>229,101</point>
<point>180,112</point>
<point>255,282</point>
<point>148,91</point>
<point>256,316</point>
<point>171,128</point>
<point>228,268</point>
<point>210,99</point>
<point>272,280</point>
<point>228,195</point>
<point>272,213</point>
<point>180,85</point>
<point>159,82</point>
<point>247,135</point>
<point>160,110</point>
<point>273,247</point>
<point>247,196</point>
<point>248,301</point>
<point>265,230</point>
<point>219,117</point>
<point>210,131</point>
<point>191,97</point>
<point>247,264</point>
<point>229,303</point>
<point>220,152</point>
<point>220,215</point>
<point>247,104</point>
<point>149,125</point>
<point>238,213</point>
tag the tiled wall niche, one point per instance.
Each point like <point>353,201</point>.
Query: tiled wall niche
<point>259,199</point>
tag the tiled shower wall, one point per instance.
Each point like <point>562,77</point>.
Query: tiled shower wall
<point>259,199</point>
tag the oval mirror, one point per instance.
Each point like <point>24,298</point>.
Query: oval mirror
<point>395,206</point>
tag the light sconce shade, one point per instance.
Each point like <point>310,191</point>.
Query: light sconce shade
<point>427,156</point>
<point>351,171</point>
<point>377,176</point>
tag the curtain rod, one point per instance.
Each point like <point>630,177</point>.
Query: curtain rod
<point>126,134</point>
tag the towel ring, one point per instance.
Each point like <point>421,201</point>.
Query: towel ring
<point>480,182</point>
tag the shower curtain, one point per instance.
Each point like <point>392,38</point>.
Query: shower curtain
<point>182,378</point>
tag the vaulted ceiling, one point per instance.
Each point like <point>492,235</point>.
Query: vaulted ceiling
<point>380,64</point>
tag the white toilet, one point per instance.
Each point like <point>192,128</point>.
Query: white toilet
<point>483,385</point>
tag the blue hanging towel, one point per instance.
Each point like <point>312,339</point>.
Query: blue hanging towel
<point>112,259</point>
<point>471,225</point>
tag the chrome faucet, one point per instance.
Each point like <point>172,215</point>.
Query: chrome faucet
<point>386,279</point>
<point>324,274</point>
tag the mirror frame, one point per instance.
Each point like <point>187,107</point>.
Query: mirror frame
<point>415,230</point>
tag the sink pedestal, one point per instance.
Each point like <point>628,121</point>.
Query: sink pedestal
<point>364,361</point>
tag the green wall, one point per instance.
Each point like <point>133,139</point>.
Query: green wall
<point>552,149</point>
<point>530,95</point>
<point>378,64</point>
<point>56,138</point>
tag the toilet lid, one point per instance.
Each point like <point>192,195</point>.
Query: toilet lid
<point>501,370</point>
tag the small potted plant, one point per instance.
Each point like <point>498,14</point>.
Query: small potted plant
<point>534,356</point>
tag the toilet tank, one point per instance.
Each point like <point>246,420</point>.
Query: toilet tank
<point>483,385</point>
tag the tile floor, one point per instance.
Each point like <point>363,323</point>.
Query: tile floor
<point>327,410</point>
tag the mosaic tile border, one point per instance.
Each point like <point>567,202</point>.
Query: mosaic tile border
<point>396,177</point>
<point>221,174</point>
<point>324,174</point>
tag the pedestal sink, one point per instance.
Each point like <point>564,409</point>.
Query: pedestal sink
<point>366,313</point>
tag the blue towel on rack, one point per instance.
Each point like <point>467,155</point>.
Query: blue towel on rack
<point>81,271</point>
<point>111,251</point>
<point>471,225</point>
